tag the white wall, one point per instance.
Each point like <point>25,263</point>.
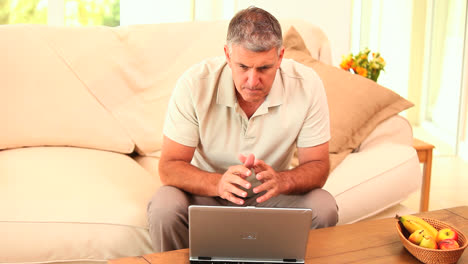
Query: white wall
<point>393,39</point>
<point>333,16</point>
<point>154,11</point>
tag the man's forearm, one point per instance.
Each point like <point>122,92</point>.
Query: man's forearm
<point>306,177</point>
<point>189,178</point>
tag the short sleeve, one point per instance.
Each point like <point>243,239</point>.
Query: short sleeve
<point>316,127</point>
<point>181,123</point>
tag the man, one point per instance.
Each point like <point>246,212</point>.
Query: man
<point>231,129</point>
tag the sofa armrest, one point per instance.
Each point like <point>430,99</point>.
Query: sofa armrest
<point>381,173</point>
<point>395,129</point>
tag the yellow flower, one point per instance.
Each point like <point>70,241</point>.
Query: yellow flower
<point>347,62</point>
<point>361,64</point>
<point>361,71</point>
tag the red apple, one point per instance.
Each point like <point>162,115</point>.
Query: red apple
<point>448,244</point>
<point>446,233</point>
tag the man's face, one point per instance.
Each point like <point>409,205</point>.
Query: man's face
<point>253,72</point>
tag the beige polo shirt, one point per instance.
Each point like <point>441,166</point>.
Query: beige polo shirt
<point>203,112</point>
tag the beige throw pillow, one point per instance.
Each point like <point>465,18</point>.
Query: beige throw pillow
<point>357,105</point>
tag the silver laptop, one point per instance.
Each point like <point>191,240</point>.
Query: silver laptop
<point>248,234</point>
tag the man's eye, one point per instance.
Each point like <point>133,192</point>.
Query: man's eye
<point>244,67</point>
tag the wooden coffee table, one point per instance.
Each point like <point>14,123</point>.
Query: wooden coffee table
<point>372,241</point>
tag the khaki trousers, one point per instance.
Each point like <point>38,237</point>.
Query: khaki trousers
<point>168,212</point>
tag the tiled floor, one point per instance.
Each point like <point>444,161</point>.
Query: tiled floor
<point>449,181</point>
<point>449,184</point>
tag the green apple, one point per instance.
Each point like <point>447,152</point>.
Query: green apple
<point>428,242</point>
<point>417,236</point>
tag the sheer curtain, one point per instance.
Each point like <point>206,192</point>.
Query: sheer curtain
<point>423,43</point>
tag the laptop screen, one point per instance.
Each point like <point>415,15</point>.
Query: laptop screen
<point>248,234</point>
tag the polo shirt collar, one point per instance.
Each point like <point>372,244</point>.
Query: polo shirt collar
<point>227,92</point>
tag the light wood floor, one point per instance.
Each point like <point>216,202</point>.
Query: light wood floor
<point>449,184</point>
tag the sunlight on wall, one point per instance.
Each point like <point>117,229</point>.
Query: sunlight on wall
<point>56,12</point>
<point>382,32</point>
<point>206,10</point>
<point>155,11</point>
<point>396,44</point>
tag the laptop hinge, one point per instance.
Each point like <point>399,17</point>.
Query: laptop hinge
<point>204,258</point>
<point>289,260</point>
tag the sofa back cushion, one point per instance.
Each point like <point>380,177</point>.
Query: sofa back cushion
<point>44,102</point>
<point>102,87</point>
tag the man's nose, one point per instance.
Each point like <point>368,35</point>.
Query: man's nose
<point>253,78</point>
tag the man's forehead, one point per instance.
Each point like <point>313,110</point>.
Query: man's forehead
<point>243,56</point>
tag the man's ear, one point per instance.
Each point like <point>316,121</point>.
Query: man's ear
<point>281,54</point>
<point>226,53</point>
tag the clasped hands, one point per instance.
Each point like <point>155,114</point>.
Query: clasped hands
<point>235,177</point>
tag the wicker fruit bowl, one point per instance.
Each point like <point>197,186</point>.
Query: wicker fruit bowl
<point>427,255</point>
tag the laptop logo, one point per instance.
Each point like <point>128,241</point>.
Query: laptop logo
<point>249,236</point>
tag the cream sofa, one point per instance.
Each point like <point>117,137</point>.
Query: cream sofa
<point>82,111</point>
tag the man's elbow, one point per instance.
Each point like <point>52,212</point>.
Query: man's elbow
<point>325,173</point>
<point>163,174</point>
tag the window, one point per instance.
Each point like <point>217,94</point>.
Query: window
<point>92,12</point>
<point>20,12</point>
<point>61,12</point>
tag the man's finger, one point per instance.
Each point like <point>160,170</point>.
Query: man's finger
<point>231,188</point>
<point>265,197</point>
<point>262,187</point>
<point>232,198</point>
<point>260,165</point>
<point>242,158</point>
<point>248,160</point>
<point>261,176</point>
<point>249,163</point>
<point>240,170</point>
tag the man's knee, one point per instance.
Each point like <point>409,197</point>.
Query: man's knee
<point>325,210</point>
<point>167,205</point>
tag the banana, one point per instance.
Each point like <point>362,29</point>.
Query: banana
<point>413,223</point>
<point>426,226</point>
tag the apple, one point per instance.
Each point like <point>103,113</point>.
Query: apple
<point>446,233</point>
<point>448,244</point>
<point>417,236</point>
<point>428,242</point>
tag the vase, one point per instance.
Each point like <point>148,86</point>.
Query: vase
<point>374,75</point>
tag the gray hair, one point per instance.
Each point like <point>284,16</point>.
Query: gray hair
<point>255,29</point>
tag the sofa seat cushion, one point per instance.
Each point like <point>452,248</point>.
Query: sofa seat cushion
<point>78,204</point>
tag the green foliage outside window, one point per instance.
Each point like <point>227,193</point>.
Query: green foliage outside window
<point>92,12</point>
<point>17,11</point>
<point>76,12</point>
